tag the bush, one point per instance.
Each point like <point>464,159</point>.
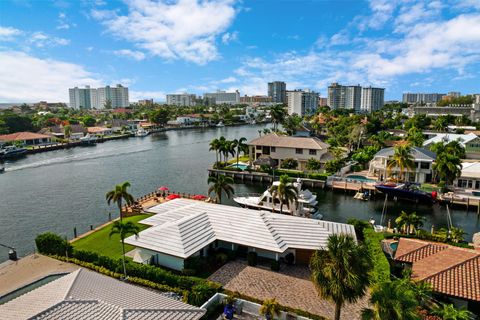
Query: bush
<point>359,226</point>
<point>275,265</point>
<point>381,267</point>
<point>198,295</point>
<point>84,255</point>
<point>189,272</point>
<point>289,163</point>
<point>318,176</point>
<point>252,259</point>
<point>51,243</point>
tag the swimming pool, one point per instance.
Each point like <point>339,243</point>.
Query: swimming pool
<point>394,246</point>
<point>240,166</point>
<point>359,178</point>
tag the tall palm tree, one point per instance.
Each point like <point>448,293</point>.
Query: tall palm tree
<point>392,300</point>
<point>215,146</point>
<point>449,312</point>
<point>402,159</point>
<point>219,184</point>
<point>409,222</point>
<point>448,167</point>
<point>119,194</point>
<point>285,192</point>
<point>241,146</point>
<point>124,230</point>
<point>278,114</point>
<point>340,272</point>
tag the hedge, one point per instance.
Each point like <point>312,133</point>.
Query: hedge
<point>428,236</point>
<point>381,266</point>
<point>51,243</point>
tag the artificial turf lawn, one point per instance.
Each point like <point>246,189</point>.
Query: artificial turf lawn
<point>101,243</point>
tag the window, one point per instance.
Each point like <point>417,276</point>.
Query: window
<point>258,147</point>
<point>272,149</point>
<point>477,184</point>
<point>312,152</point>
<point>469,184</point>
<point>298,151</point>
<point>424,165</point>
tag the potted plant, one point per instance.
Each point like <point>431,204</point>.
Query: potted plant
<point>229,309</point>
<point>270,308</point>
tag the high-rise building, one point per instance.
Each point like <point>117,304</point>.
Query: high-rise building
<point>277,90</point>
<point>116,97</point>
<point>372,99</point>
<point>302,102</point>
<point>182,99</point>
<point>223,97</point>
<point>422,97</point>
<point>344,97</point>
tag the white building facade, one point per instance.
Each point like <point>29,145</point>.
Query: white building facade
<point>373,99</point>
<point>98,98</point>
<point>302,102</point>
<point>181,100</point>
<point>223,97</point>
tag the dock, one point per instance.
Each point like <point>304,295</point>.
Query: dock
<point>458,199</point>
<point>353,186</point>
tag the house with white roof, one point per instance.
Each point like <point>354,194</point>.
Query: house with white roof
<point>85,294</point>
<point>184,228</point>
<point>470,176</point>
<point>471,142</point>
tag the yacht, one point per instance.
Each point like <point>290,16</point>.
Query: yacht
<point>220,124</point>
<point>12,152</point>
<point>141,132</point>
<point>305,208</point>
<point>88,139</point>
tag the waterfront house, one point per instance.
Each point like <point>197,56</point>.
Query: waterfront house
<point>452,271</point>
<point>184,228</point>
<point>85,294</point>
<point>422,173</point>
<point>77,131</point>
<point>26,138</point>
<point>280,147</point>
<point>100,131</point>
<point>118,125</point>
<point>470,176</point>
<point>471,142</point>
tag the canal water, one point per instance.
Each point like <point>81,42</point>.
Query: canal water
<point>59,190</point>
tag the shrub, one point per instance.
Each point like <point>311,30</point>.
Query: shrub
<point>359,226</point>
<point>289,163</point>
<point>84,255</point>
<point>51,243</point>
<point>275,265</point>
<point>252,259</point>
<point>189,272</point>
<point>381,267</point>
<point>198,295</point>
<point>198,264</point>
<point>318,176</point>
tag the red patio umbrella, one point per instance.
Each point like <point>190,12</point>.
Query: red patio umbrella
<point>163,188</point>
<point>199,197</point>
<point>173,196</point>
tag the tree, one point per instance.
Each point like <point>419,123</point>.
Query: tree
<point>291,123</point>
<point>241,146</point>
<point>289,163</point>
<point>333,166</point>
<point>449,312</point>
<point>409,222</point>
<point>215,146</point>
<point>313,164</point>
<point>270,308</point>
<point>119,194</point>
<point>88,121</point>
<point>441,124</point>
<point>285,192</point>
<point>415,137</point>
<point>364,155</point>
<point>108,104</point>
<point>219,184</point>
<point>159,116</point>
<point>447,167</point>
<point>457,234</point>
<point>402,159</point>
<point>278,114</point>
<point>124,229</point>
<point>392,300</point>
<point>340,272</point>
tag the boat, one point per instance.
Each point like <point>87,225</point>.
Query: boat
<point>12,152</point>
<point>406,191</point>
<point>220,124</point>
<point>141,132</point>
<point>2,169</point>
<point>305,207</point>
<point>88,139</point>
<point>362,196</point>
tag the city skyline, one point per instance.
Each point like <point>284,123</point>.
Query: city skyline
<point>155,48</point>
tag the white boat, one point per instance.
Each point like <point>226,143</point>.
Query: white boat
<point>141,132</point>
<point>89,139</point>
<point>305,207</point>
<point>220,124</point>
<point>12,152</point>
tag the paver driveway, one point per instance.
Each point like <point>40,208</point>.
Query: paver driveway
<point>291,287</point>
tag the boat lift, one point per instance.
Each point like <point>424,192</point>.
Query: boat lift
<point>12,253</point>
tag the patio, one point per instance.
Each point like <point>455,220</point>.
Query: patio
<point>291,287</point>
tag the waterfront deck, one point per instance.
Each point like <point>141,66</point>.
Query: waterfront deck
<point>353,186</point>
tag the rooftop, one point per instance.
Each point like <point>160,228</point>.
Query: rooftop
<point>451,270</point>
<point>417,153</point>
<point>20,136</point>
<point>182,227</point>
<point>447,137</point>
<point>85,294</point>
<point>275,140</point>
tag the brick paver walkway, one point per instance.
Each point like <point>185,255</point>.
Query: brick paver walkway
<point>291,287</point>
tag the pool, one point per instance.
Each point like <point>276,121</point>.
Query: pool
<point>394,246</point>
<point>359,178</point>
<point>29,287</point>
<point>239,165</point>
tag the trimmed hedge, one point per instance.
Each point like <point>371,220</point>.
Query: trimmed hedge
<point>51,243</point>
<point>427,236</point>
<point>381,267</point>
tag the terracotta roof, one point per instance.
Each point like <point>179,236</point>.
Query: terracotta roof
<point>451,270</point>
<point>97,129</point>
<point>20,136</point>
<point>275,140</point>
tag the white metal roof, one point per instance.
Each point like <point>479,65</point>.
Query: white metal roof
<point>182,227</point>
<point>470,170</point>
<point>85,294</point>
<point>447,137</point>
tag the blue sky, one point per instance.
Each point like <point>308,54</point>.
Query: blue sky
<point>159,47</point>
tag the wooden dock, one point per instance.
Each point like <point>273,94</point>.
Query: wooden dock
<point>353,186</point>
<point>460,200</point>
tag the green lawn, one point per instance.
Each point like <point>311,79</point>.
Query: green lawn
<point>101,243</point>
<point>240,159</point>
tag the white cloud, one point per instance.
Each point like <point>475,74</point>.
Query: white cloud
<point>30,79</point>
<point>184,29</point>
<point>8,33</point>
<point>139,95</point>
<point>40,40</point>
<point>229,37</point>
<point>136,55</point>
<point>63,23</point>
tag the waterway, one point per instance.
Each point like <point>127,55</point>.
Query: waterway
<point>59,190</point>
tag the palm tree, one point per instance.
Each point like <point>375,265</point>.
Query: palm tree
<point>392,300</point>
<point>270,308</point>
<point>266,131</point>
<point>409,222</point>
<point>448,167</point>
<point>278,114</point>
<point>219,184</point>
<point>240,146</point>
<point>285,192</point>
<point>456,234</point>
<point>124,230</point>
<point>402,159</point>
<point>449,312</point>
<point>340,272</point>
<point>119,194</point>
<point>215,145</point>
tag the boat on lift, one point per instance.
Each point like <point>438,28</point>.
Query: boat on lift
<point>306,206</point>
<point>406,191</point>
<point>88,139</point>
<point>141,132</point>
<point>9,152</point>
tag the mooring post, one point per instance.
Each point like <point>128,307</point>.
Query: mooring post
<point>74,232</point>
<point>91,227</point>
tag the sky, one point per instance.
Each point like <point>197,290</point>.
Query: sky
<point>197,46</point>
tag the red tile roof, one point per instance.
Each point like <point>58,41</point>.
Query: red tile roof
<point>451,270</point>
<point>21,136</point>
